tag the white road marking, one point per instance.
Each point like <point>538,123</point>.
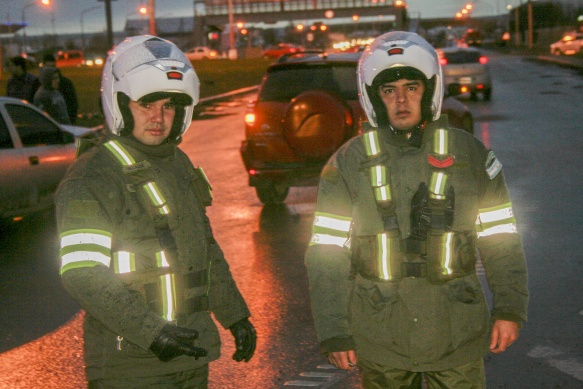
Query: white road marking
<point>559,360</point>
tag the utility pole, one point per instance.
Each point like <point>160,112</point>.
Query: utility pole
<point>530,26</point>
<point>152,17</point>
<point>109,25</point>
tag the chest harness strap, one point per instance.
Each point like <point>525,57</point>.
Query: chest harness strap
<point>162,289</point>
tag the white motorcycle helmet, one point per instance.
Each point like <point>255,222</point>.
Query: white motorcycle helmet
<point>393,56</point>
<point>148,69</point>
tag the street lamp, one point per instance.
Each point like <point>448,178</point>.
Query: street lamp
<point>82,31</point>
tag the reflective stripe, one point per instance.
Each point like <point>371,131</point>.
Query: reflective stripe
<point>447,254</point>
<point>378,175</point>
<point>124,262</point>
<point>167,289</point>
<point>500,229</point>
<point>333,222</point>
<point>440,142</point>
<point>122,155</point>
<point>384,253</point>
<point>156,197</point>
<point>494,214</point>
<point>383,193</point>
<point>371,143</point>
<point>328,239</point>
<point>437,185</point>
<point>84,248</point>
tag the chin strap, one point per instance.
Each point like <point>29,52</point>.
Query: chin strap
<point>413,136</point>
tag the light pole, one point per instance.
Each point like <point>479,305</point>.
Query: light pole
<point>82,30</point>
<point>43,2</point>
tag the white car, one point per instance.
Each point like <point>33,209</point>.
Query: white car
<point>35,153</point>
<point>465,70</point>
<point>571,43</point>
<point>201,52</point>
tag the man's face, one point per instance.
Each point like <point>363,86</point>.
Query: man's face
<point>402,99</point>
<point>152,121</point>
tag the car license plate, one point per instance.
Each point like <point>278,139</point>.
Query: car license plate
<point>465,80</point>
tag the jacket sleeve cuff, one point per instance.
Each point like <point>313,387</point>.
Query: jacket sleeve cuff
<point>337,344</point>
<point>508,317</point>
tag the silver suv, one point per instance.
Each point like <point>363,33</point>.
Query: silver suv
<point>466,70</point>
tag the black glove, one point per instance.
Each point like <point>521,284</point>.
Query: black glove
<point>245,339</point>
<point>420,213</point>
<point>174,341</point>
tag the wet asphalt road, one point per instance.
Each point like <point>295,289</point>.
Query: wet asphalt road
<point>533,125</point>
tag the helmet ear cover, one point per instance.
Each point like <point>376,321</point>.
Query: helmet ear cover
<point>395,74</point>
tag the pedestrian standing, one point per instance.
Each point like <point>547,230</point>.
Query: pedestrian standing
<point>402,212</point>
<point>137,248</point>
<point>67,89</point>
<point>48,98</point>
<point>21,85</point>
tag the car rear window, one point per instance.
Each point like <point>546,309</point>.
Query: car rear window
<point>284,83</point>
<point>459,57</point>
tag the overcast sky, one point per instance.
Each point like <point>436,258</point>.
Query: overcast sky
<point>65,16</point>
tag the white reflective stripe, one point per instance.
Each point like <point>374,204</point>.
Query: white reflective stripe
<point>154,192</point>
<point>385,254</point>
<point>378,175</point>
<point>440,146</point>
<point>438,183</point>
<point>82,256</point>
<point>168,294</point>
<point>496,215</point>
<point>327,239</point>
<point>370,138</point>
<point>501,229</point>
<point>162,262</point>
<point>86,238</point>
<point>121,152</point>
<point>332,223</point>
<point>382,193</point>
<point>124,261</point>
<point>448,254</point>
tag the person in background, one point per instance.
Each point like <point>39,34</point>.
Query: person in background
<point>136,245</point>
<point>21,85</point>
<point>66,88</point>
<point>402,212</point>
<point>48,98</point>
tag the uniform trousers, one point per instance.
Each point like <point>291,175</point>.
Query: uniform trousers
<point>192,379</point>
<point>375,376</point>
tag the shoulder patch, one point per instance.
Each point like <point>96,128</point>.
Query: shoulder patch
<point>493,165</point>
<point>83,208</point>
<point>330,173</point>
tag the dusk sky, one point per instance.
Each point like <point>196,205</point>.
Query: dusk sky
<point>64,16</point>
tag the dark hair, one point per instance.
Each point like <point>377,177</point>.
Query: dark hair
<point>49,58</point>
<point>19,61</point>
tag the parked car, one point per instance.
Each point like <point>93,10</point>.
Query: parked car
<point>201,52</point>
<point>570,44</point>
<point>307,106</point>
<point>35,152</point>
<point>281,49</point>
<point>466,70</point>
<point>69,58</point>
<point>472,37</point>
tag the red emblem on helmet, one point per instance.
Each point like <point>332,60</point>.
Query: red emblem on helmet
<point>174,75</point>
<point>395,51</point>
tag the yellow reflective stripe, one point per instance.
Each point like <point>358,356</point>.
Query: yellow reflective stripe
<point>447,254</point>
<point>437,184</point>
<point>80,259</point>
<point>440,142</point>
<point>328,239</point>
<point>333,222</point>
<point>371,143</point>
<point>120,153</point>
<point>156,197</point>
<point>384,253</point>
<point>124,262</point>
<point>509,228</point>
<point>86,236</point>
<point>167,289</point>
<point>494,214</point>
<point>382,193</point>
<point>378,175</point>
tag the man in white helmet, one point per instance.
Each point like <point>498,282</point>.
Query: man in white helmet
<point>402,211</point>
<point>137,250</point>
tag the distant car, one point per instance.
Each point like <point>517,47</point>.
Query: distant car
<point>307,106</point>
<point>201,52</point>
<point>35,152</point>
<point>473,37</point>
<point>69,58</point>
<point>570,44</point>
<point>466,70</point>
<point>281,49</point>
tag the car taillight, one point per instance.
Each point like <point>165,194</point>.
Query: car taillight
<point>250,119</point>
<point>464,89</point>
<point>443,61</point>
<point>483,60</point>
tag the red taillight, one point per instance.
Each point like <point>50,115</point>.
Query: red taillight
<point>252,172</point>
<point>483,60</point>
<point>250,119</point>
<point>443,61</point>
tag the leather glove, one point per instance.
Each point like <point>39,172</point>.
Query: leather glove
<point>174,341</point>
<point>245,339</point>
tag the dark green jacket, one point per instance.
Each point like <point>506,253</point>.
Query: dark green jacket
<point>97,198</point>
<point>413,324</point>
